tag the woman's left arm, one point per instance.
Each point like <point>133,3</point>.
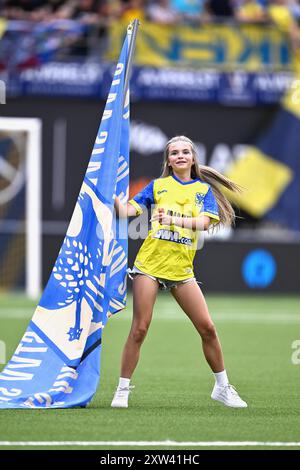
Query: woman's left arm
<point>202,222</point>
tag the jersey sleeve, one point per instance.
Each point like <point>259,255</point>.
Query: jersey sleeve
<point>144,198</point>
<point>210,207</point>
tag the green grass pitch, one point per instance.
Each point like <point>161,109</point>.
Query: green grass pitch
<point>171,399</point>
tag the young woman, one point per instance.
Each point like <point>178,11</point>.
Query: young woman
<point>186,199</point>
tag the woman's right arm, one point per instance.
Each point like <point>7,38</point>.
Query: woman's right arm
<point>141,201</point>
<point>123,211</point>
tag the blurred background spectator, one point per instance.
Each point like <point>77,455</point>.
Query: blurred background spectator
<point>160,11</point>
<point>250,11</point>
<point>223,9</point>
<point>294,6</point>
<point>131,9</point>
<point>188,10</point>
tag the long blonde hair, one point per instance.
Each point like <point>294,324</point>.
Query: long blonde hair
<point>208,175</point>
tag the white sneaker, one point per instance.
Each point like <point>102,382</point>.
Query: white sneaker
<point>121,395</point>
<point>228,395</point>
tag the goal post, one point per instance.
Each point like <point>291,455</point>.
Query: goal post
<point>29,174</point>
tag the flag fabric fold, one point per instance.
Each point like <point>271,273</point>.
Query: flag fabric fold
<point>57,363</point>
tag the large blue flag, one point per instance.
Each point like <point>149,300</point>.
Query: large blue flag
<point>57,363</point>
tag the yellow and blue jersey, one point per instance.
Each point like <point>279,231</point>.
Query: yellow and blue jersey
<point>168,251</point>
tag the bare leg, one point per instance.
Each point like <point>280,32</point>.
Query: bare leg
<point>190,298</point>
<point>144,296</point>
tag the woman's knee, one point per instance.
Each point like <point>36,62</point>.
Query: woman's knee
<point>139,332</point>
<point>208,332</point>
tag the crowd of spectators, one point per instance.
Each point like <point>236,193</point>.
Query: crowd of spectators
<point>281,12</point>
<point>87,21</point>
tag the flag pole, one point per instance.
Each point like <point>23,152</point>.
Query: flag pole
<point>132,30</point>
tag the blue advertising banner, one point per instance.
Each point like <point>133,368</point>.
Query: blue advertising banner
<point>92,80</point>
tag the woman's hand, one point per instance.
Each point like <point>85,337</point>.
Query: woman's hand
<point>124,211</point>
<point>200,223</point>
<point>162,217</point>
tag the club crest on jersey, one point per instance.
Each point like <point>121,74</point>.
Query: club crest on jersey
<point>199,199</point>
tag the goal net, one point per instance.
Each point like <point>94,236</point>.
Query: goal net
<point>20,205</point>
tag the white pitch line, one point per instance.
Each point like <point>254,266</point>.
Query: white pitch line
<point>148,444</point>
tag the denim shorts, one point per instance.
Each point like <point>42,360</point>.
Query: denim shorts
<point>164,284</point>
